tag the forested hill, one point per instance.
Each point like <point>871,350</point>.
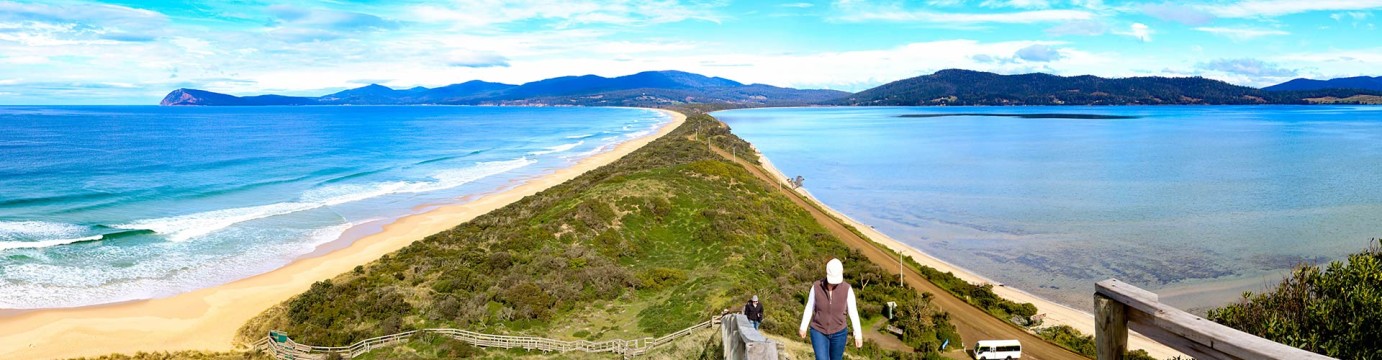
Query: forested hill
<point>1357,82</point>
<point>967,87</point>
<point>649,88</point>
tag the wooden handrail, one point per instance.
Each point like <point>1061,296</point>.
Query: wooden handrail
<point>293,350</point>
<point>1119,306</point>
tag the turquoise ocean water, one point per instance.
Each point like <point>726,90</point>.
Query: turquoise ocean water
<point>107,204</point>
<point>1198,203</point>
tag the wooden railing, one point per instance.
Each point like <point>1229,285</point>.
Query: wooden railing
<point>289,349</point>
<point>1119,307</point>
<point>743,342</point>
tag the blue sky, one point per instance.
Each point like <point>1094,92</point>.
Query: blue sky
<point>134,52</point>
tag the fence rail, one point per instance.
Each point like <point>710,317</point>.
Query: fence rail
<point>286,348</point>
<point>1119,306</point>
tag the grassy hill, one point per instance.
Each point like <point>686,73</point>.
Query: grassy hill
<point>657,241</point>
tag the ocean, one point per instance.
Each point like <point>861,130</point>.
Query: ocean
<point>102,204</point>
<point>1197,203</point>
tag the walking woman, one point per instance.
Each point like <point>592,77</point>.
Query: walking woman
<point>827,305</point>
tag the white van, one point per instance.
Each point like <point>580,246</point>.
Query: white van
<point>997,349</point>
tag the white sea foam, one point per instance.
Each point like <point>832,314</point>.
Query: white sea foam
<point>7,245</point>
<point>172,270</point>
<point>17,230</point>
<point>41,234</point>
<point>185,227</point>
<point>558,148</point>
<point>582,136</point>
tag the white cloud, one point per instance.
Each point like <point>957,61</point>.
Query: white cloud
<point>1249,67</point>
<point>478,13</point>
<point>799,5</point>
<point>1138,31</point>
<point>1273,8</point>
<point>1241,34</point>
<point>1178,13</point>
<point>857,11</point>
<point>79,22</point>
<point>299,24</point>
<point>1079,27</point>
<point>1038,53</point>
<point>476,59</point>
<point>1021,4</point>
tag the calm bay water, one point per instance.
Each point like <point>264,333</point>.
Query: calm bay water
<point>105,204</point>
<point>1198,203</point>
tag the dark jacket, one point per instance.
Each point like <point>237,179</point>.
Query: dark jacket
<point>754,313</point>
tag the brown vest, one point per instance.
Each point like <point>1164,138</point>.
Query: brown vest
<point>831,313</point>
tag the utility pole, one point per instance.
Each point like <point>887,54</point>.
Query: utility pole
<point>899,268</point>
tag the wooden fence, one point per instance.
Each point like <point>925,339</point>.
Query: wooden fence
<point>285,348</point>
<point>743,342</point>
<point>1119,307</point>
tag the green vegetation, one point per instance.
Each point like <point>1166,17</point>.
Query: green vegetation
<point>1069,338</point>
<point>1335,310</point>
<point>981,296</point>
<point>184,355</point>
<point>1355,100</point>
<point>662,239</point>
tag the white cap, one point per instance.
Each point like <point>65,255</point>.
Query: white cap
<point>755,298</point>
<point>834,272</point>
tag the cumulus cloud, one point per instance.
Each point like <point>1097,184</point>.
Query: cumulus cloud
<point>1038,53</point>
<point>1177,13</point>
<point>1249,67</point>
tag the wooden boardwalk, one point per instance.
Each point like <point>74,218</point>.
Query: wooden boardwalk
<point>285,348</point>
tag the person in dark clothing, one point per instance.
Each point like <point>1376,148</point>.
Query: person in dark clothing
<point>754,311</point>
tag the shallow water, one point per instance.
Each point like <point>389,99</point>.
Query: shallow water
<point>106,204</point>
<point>1202,202</point>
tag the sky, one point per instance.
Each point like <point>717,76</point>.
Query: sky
<point>135,52</point>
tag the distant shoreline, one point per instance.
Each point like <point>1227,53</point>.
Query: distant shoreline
<point>208,318</point>
<point>1055,313</point>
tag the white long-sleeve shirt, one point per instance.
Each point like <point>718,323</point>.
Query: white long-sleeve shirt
<point>849,302</point>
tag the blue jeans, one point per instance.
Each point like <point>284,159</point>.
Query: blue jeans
<point>755,324</point>
<point>829,347</point>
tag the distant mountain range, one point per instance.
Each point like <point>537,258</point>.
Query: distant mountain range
<point>945,87</point>
<point>1358,82</point>
<point>651,88</point>
<point>965,87</point>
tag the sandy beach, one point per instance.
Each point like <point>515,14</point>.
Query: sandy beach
<point>1056,314</point>
<point>207,319</point>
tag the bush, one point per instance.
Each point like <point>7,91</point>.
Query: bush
<point>1333,310</point>
<point>660,278</point>
<point>529,300</point>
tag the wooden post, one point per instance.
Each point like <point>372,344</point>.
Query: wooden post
<point>1110,328</point>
